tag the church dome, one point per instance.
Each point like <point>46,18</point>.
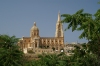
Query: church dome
<point>34,27</point>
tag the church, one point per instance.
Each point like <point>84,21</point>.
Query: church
<point>39,44</point>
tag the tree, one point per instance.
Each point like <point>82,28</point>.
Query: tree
<point>79,21</point>
<point>48,60</point>
<point>90,26</point>
<point>86,22</point>
<point>99,2</point>
<point>10,55</point>
<point>85,57</point>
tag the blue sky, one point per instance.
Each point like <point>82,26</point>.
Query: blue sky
<point>17,16</point>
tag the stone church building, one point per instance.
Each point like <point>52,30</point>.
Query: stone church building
<point>43,44</point>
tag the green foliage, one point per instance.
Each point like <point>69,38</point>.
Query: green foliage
<point>85,56</point>
<point>7,42</point>
<point>80,58</point>
<point>9,51</point>
<point>87,23</point>
<point>47,60</point>
<point>99,2</point>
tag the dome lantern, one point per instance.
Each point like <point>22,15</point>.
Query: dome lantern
<point>34,27</point>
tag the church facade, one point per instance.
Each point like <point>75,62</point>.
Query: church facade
<point>43,44</point>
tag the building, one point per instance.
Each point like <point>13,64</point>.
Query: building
<point>69,47</point>
<point>43,44</point>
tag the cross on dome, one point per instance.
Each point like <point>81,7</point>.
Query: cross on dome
<point>34,23</point>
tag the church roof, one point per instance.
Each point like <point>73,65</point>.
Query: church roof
<point>34,27</point>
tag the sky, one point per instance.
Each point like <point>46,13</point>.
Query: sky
<point>17,16</point>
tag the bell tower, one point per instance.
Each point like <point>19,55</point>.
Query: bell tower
<point>59,27</point>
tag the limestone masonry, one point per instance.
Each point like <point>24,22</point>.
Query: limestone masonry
<point>39,44</point>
